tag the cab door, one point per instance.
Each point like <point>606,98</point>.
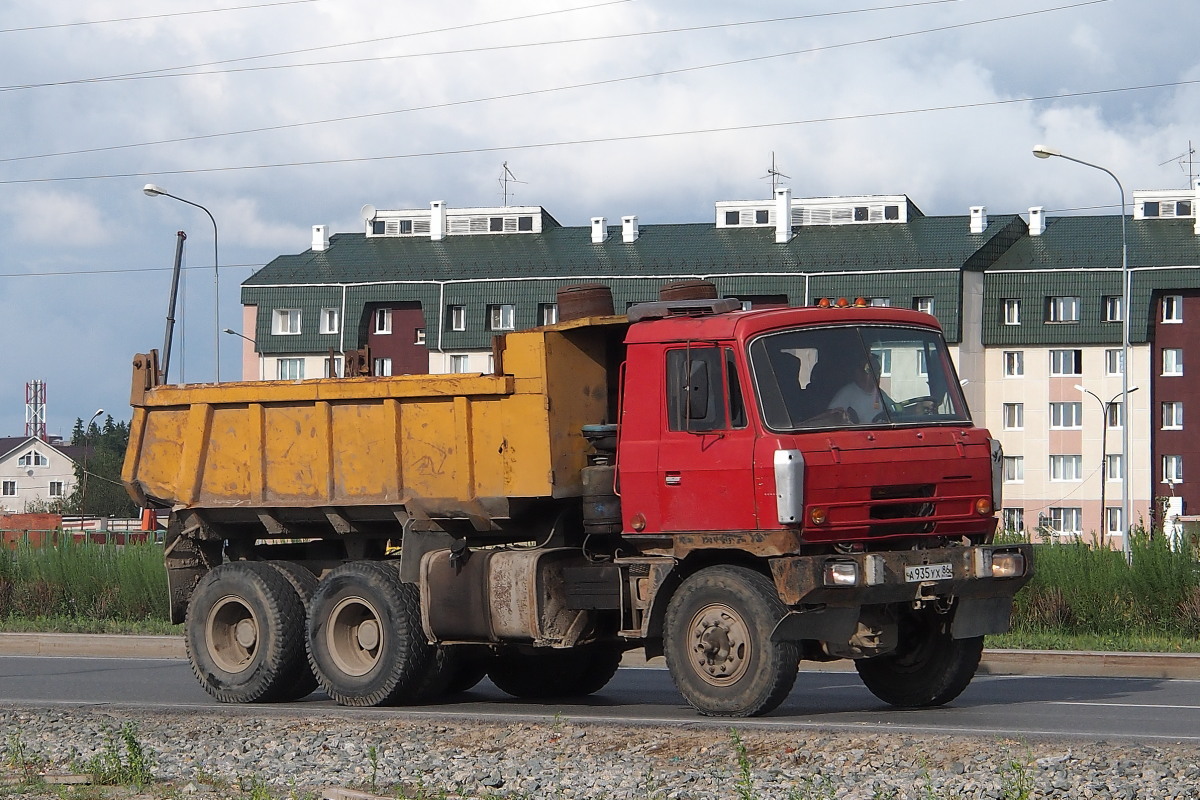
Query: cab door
<point>706,453</point>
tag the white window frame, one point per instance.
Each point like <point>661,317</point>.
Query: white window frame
<point>1066,520</point>
<point>33,458</point>
<point>1172,309</point>
<point>1113,522</point>
<point>1066,468</point>
<point>1014,469</point>
<point>1063,310</point>
<point>382,324</point>
<point>1114,416</point>
<point>1114,360</point>
<point>1014,363</point>
<point>1012,311</point>
<point>1114,466</point>
<point>381,366</point>
<point>502,317</point>
<point>1010,515</point>
<point>923,304</point>
<point>1014,416</point>
<point>56,489</point>
<point>1172,361</point>
<point>459,363</point>
<point>458,318</point>
<point>1112,308</point>
<point>339,367</point>
<point>8,488</point>
<point>419,336</point>
<point>548,313</point>
<point>1172,415</point>
<point>1066,415</point>
<point>1058,365</point>
<point>289,369</point>
<point>331,320</point>
<point>880,302</point>
<point>1172,469</point>
<point>285,322</point>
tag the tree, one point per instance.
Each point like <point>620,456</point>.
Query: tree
<point>98,489</point>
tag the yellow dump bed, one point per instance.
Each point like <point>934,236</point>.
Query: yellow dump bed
<point>438,445</point>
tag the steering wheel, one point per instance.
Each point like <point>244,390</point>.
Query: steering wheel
<point>908,405</point>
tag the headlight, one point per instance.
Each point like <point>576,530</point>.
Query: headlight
<point>841,573</point>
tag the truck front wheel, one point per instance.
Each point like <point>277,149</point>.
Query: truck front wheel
<point>928,668</point>
<point>244,634</point>
<point>365,641</point>
<point>717,641</point>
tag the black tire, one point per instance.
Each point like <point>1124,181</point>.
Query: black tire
<point>365,641</point>
<point>466,667</point>
<point>244,633</point>
<point>573,672</point>
<point>717,642</point>
<point>929,668</point>
<point>304,583</point>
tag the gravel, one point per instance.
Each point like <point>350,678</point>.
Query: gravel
<point>227,753</point>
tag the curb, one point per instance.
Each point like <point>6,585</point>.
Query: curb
<point>1179,666</point>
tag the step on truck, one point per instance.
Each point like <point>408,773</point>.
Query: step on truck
<point>737,490</point>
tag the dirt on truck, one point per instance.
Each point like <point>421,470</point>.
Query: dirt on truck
<point>738,490</point>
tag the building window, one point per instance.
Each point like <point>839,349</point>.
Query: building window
<point>1066,521</point>
<point>382,367</point>
<point>1062,309</point>
<point>458,318</point>
<point>1014,416</point>
<point>1066,415</point>
<point>33,459</point>
<point>1112,308</point>
<point>1172,415</point>
<point>383,320</point>
<point>331,320</point>
<point>732,217</point>
<point>1112,521</point>
<point>1014,363</point>
<point>1066,362</point>
<point>880,302</point>
<point>762,216</point>
<point>335,367</point>
<point>1012,312</point>
<point>1150,208</point>
<point>501,317</point>
<point>1114,466</point>
<point>1172,469</point>
<point>496,224</point>
<point>1172,361</point>
<point>1014,469</point>
<point>1172,308</point>
<point>285,322</point>
<point>1066,468</point>
<point>458,363</point>
<point>8,489</point>
<point>923,304</point>
<point>56,488</point>
<point>548,313</point>
<point>1113,359</point>
<point>1013,519</point>
<point>419,336</point>
<point>1114,416</point>
<point>290,369</point>
<point>524,223</point>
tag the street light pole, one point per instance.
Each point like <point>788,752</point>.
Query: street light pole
<point>261,366</point>
<point>86,436</point>
<point>1041,151</point>
<point>154,191</point>
<point>1105,407</point>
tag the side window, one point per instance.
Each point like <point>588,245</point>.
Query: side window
<point>737,406</point>
<point>695,389</point>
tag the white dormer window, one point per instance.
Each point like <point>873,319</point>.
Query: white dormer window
<point>331,319</point>
<point>285,322</point>
<point>33,459</point>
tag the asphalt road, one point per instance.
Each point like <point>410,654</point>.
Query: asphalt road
<point>1024,706</point>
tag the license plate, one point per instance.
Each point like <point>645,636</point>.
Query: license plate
<point>928,572</point>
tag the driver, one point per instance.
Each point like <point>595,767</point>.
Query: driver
<point>860,399</point>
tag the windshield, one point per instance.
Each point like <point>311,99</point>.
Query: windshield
<point>832,377</point>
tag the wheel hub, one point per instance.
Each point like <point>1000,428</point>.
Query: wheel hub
<point>354,636</point>
<point>721,648</point>
<point>231,634</point>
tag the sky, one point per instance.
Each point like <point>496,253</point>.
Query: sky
<point>274,116</point>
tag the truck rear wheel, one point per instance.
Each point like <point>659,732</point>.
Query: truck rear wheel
<point>717,642</point>
<point>305,585</point>
<point>573,672</point>
<point>929,668</point>
<point>365,640</point>
<point>244,634</point>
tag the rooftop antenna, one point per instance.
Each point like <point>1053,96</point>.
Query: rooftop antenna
<point>774,174</point>
<point>1189,158</point>
<point>35,409</point>
<point>507,177</point>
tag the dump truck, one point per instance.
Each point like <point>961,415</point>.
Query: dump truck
<point>681,479</point>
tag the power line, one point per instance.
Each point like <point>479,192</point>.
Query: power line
<point>534,92</point>
<point>609,139</point>
<point>150,16</point>
<point>60,273</point>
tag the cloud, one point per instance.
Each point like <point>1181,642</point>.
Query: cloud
<point>64,220</point>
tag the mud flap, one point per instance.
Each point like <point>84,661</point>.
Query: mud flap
<point>978,616</point>
<point>826,623</point>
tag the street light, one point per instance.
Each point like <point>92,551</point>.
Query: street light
<point>261,365</point>
<point>83,491</point>
<point>154,191</point>
<point>1105,407</point>
<point>1041,151</point>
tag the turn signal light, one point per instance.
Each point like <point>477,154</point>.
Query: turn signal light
<point>817,515</point>
<point>983,506</point>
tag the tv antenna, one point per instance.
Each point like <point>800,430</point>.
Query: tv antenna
<point>774,174</point>
<point>506,177</point>
<point>1189,159</point>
